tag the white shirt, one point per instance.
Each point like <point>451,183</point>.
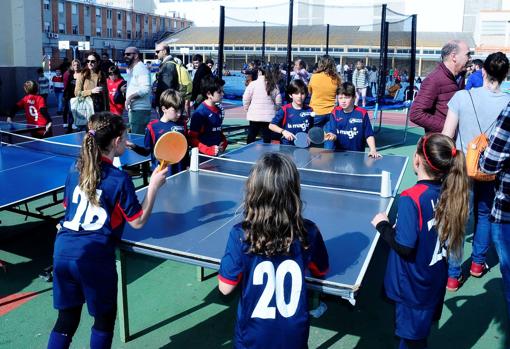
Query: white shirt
<point>138,81</point>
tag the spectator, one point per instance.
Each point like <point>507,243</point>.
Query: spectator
<point>430,107</point>
<point>372,81</point>
<point>475,79</point>
<point>105,64</point>
<point>261,99</point>
<point>91,82</point>
<point>69,86</point>
<point>58,89</point>
<point>202,70</point>
<point>167,75</point>
<point>393,89</point>
<point>210,63</point>
<point>138,100</point>
<point>299,72</point>
<point>43,83</point>
<point>360,82</point>
<point>116,91</point>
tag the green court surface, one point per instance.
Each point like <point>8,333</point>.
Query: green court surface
<point>170,308</point>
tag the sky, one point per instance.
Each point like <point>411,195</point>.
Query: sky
<point>433,15</point>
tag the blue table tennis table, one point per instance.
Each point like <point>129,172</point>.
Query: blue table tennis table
<point>18,127</point>
<point>194,212</point>
<point>32,168</point>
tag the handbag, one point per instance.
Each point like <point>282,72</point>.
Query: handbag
<point>82,109</point>
<point>475,149</point>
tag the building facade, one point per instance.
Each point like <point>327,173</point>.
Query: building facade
<point>109,27</point>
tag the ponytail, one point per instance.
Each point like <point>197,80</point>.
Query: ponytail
<point>444,162</point>
<point>103,127</point>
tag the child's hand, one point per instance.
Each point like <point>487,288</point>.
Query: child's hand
<point>374,154</point>
<point>330,137</point>
<point>130,144</point>
<point>378,218</point>
<point>288,135</point>
<point>48,126</point>
<point>158,178</point>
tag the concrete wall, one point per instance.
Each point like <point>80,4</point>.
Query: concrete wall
<point>21,52</point>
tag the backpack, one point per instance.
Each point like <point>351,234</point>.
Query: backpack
<point>185,82</point>
<point>475,149</point>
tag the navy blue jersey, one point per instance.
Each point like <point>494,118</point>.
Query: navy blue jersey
<point>420,282</point>
<point>154,130</point>
<point>91,232</point>
<point>351,129</point>
<point>273,300</point>
<point>293,120</point>
<point>206,121</point>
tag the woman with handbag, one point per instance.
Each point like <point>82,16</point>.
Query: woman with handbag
<point>471,113</point>
<point>261,100</point>
<point>91,83</point>
<point>70,85</point>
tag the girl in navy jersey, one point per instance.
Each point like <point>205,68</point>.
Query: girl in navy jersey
<point>430,227</point>
<point>293,117</point>
<point>99,199</point>
<point>268,254</point>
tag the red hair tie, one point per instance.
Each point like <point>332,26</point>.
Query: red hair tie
<point>426,157</point>
<point>454,152</point>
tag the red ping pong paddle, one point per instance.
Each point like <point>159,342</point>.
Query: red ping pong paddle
<point>170,149</point>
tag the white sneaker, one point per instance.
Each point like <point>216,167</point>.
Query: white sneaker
<point>74,127</point>
<point>64,125</point>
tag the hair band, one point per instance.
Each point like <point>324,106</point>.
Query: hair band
<point>454,152</point>
<point>426,157</point>
<point>92,132</point>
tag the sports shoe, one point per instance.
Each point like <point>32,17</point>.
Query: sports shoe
<point>453,284</point>
<point>64,125</point>
<point>477,270</point>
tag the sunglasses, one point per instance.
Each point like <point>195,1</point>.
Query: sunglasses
<point>128,54</point>
<point>157,51</point>
<point>91,61</point>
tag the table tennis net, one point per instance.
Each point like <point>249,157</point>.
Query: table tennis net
<point>9,139</point>
<point>319,179</point>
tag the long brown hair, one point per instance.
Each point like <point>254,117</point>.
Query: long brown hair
<point>103,127</point>
<point>271,76</point>
<point>327,66</point>
<point>443,161</point>
<point>272,206</point>
<point>86,72</point>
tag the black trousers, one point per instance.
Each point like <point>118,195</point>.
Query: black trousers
<point>258,126</point>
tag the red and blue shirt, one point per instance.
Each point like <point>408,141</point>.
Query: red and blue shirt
<point>92,232</point>
<point>273,296</point>
<point>33,104</point>
<point>157,128</point>
<point>206,123</point>
<point>293,120</point>
<point>420,281</point>
<point>351,129</point>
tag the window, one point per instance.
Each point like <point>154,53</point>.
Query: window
<point>60,7</point>
<point>146,19</point>
<point>87,11</point>
<point>128,17</point>
<point>46,4</point>
<point>109,14</point>
<point>128,34</point>
<point>74,9</point>
<point>119,33</point>
<point>338,49</point>
<point>98,12</point>
<point>175,24</point>
<point>109,32</point>
<point>154,22</point>
<point>75,29</point>
<point>137,18</point>
<point>98,31</point>
<point>61,28</point>
<point>47,26</point>
<point>493,28</point>
<point>146,35</point>
<point>228,48</point>
<point>119,16</point>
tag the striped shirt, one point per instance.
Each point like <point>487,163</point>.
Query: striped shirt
<point>360,78</point>
<point>494,161</point>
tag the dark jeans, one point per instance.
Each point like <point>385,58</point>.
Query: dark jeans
<point>67,116</point>
<point>255,127</point>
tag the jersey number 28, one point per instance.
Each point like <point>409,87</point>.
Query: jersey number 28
<point>275,285</point>
<point>95,216</point>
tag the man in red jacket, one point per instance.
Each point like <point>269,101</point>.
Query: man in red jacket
<point>430,106</point>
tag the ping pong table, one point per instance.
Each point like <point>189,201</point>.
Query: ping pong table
<point>18,127</point>
<point>31,168</point>
<point>194,212</point>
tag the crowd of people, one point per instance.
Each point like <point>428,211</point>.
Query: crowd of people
<point>426,242</point>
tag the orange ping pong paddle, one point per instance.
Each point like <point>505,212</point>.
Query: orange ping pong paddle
<point>170,148</point>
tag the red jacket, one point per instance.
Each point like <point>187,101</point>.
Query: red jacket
<point>430,105</point>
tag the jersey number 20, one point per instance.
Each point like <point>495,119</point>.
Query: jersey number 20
<point>95,216</point>
<point>275,285</point>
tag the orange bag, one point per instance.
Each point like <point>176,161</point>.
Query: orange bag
<point>475,149</point>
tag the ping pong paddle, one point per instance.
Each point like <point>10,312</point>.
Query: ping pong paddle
<point>302,140</point>
<point>316,135</point>
<point>170,149</point>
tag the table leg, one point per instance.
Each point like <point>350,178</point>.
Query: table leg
<point>122,300</point>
